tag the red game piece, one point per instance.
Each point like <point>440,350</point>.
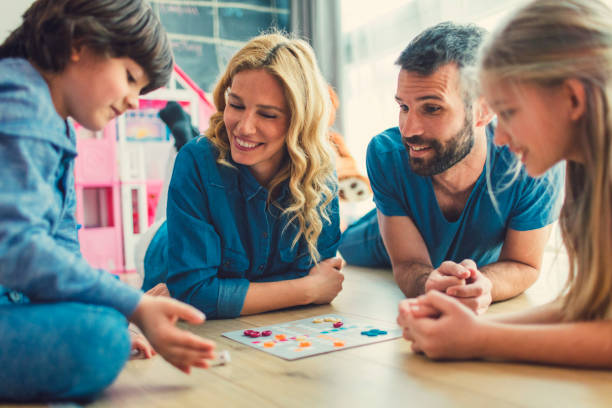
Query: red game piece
<point>338,324</point>
<point>266,332</point>
<point>255,333</point>
<point>247,332</point>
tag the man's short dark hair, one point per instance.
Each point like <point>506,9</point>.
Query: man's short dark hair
<point>442,44</point>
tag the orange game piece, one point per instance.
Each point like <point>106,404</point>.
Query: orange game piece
<point>281,337</point>
<point>305,344</point>
<point>338,343</point>
<point>269,344</point>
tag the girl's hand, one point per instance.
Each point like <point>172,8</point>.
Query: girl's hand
<point>451,333</point>
<point>157,316</point>
<point>325,280</point>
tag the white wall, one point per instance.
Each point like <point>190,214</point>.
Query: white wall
<point>10,15</point>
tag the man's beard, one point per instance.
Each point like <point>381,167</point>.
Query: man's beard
<point>447,155</point>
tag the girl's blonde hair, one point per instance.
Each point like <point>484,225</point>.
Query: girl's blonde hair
<point>547,42</point>
<point>308,165</point>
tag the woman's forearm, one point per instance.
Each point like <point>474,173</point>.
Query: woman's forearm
<point>266,296</point>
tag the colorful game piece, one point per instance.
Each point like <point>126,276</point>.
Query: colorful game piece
<point>248,332</point>
<point>281,337</point>
<point>269,344</point>
<point>329,319</point>
<point>266,333</point>
<point>338,343</point>
<point>223,358</point>
<point>254,333</point>
<point>300,338</point>
<point>338,324</point>
<point>373,333</point>
<point>317,321</point>
<point>305,344</point>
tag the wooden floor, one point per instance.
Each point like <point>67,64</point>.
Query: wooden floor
<point>385,374</point>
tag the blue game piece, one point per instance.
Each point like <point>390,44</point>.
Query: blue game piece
<point>373,332</point>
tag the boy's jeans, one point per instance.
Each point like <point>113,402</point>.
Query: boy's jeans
<point>58,351</point>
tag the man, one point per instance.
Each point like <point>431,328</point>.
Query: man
<point>453,213</point>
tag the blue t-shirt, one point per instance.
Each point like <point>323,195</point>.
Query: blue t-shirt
<point>39,251</point>
<point>522,204</point>
<point>221,235</point>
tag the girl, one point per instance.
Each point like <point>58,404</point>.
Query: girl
<point>548,75</point>
<point>252,205</point>
<point>63,323</point>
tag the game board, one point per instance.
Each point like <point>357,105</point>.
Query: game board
<point>315,335</point>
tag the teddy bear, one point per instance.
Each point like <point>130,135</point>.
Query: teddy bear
<point>352,185</point>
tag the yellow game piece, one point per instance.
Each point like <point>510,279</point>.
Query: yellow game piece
<point>299,338</point>
<point>329,319</point>
<point>317,321</point>
<point>305,344</point>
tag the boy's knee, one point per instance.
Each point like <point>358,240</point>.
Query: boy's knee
<point>99,350</point>
<point>100,359</point>
<point>72,352</point>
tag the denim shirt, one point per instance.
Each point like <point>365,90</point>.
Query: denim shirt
<point>222,235</point>
<point>39,251</point>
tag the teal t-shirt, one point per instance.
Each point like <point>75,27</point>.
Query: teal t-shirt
<point>522,204</point>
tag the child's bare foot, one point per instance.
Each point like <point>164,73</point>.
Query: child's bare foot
<point>141,348</point>
<point>159,290</point>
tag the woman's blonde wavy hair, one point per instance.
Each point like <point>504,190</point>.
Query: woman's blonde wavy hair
<point>546,43</point>
<point>308,165</point>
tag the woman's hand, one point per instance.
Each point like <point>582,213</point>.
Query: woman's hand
<point>325,280</point>
<point>157,316</point>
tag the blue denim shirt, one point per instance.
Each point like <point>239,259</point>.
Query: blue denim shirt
<point>222,235</point>
<point>39,252</point>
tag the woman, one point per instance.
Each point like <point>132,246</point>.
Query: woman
<point>547,73</point>
<point>252,214</point>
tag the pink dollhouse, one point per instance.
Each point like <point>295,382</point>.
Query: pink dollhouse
<point>119,173</point>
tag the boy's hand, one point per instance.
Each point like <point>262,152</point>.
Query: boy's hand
<point>157,316</point>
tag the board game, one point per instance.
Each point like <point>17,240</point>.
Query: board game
<point>315,335</point>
